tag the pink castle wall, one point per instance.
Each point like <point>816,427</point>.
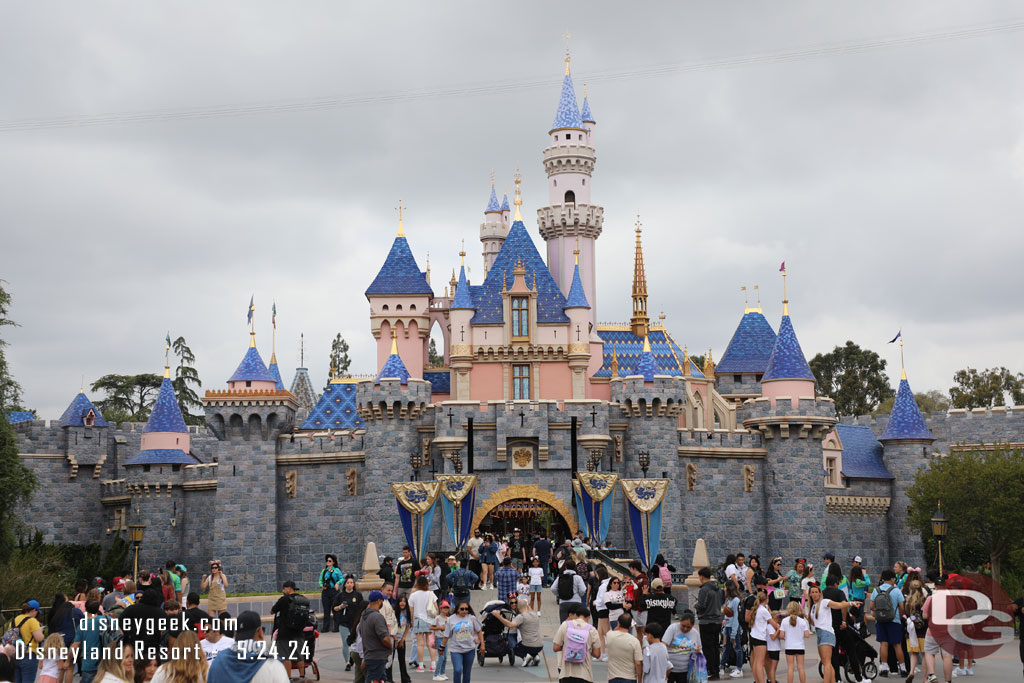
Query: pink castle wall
<point>485,382</point>
<point>168,440</point>
<point>794,388</point>
<point>255,386</point>
<point>555,381</point>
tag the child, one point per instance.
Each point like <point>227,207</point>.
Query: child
<point>536,583</point>
<point>774,646</point>
<point>523,587</point>
<point>733,644</point>
<point>794,629</point>
<point>52,659</point>
<point>437,629</point>
<point>656,663</point>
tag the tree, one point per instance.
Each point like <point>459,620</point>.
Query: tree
<point>339,356</point>
<point>435,359</point>
<point>10,390</point>
<point>852,377</point>
<point>131,396</point>
<point>932,401</point>
<point>974,389</point>
<point>17,482</point>
<point>186,375</point>
<point>988,523</point>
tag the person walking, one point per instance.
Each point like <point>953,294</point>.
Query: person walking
<point>682,640</point>
<point>710,599</point>
<point>344,611</point>
<point>376,639</point>
<point>758,621</point>
<point>733,641</point>
<point>30,631</point>
<point>793,577</point>
<point>288,629</point>
<point>488,559</point>
<point>463,636</point>
<point>542,549</point>
<point>217,583</point>
<point>405,571</point>
<point>794,631</point>
<point>437,629</point>
<point>569,590</point>
<point>329,582</point>
<point>460,581</point>
<point>658,666</point>
<point>404,617</point>
<point>473,548</point>
<point>820,613</point>
<point>635,593</point>
<point>505,579</point>
<point>886,601</point>
<point>859,584</point>
<point>776,591</point>
<point>660,605</point>
<point>423,603</point>
<point>355,643</point>
<point>625,655</point>
<point>917,627</point>
<point>536,572</point>
<point>575,642</point>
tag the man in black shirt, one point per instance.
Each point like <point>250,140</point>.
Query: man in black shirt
<point>517,552</point>
<point>195,617</point>
<point>405,571</point>
<point>141,624</point>
<point>542,546</point>
<point>660,606</point>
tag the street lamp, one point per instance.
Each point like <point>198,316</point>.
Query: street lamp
<point>645,460</point>
<point>940,525</point>
<point>416,461</point>
<point>135,533</point>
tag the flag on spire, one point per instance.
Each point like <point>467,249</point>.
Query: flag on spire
<point>898,335</point>
<point>273,315</point>
<point>168,340</point>
<point>252,308</point>
<point>782,268</point>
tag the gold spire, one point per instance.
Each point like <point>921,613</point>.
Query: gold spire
<point>709,365</point>
<point>399,209</point>
<point>647,344</point>
<point>785,299</point>
<point>615,362</point>
<point>252,339</point>
<point>567,37</point>
<point>639,323</point>
<point>746,301</point>
<point>394,342</point>
<point>518,201</point>
<point>686,362</point>
<point>757,289</point>
<point>428,267</point>
<point>576,251</point>
<point>462,252</point>
<point>903,367</point>
<point>334,369</point>
<point>167,358</point>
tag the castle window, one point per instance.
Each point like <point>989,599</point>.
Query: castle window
<point>90,419</point>
<point>584,181</point>
<point>759,378</point>
<point>175,468</point>
<point>384,307</point>
<point>248,384</point>
<point>412,307</point>
<point>398,307</point>
<point>832,470</point>
<point>521,382</point>
<point>520,316</point>
<point>570,198</point>
<point>737,379</point>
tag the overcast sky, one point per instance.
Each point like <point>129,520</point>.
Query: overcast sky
<point>878,148</point>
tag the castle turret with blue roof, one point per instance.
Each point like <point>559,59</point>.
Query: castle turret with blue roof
<point>787,375</point>
<point>494,229</point>
<point>738,374</point>
<point>165,439</point>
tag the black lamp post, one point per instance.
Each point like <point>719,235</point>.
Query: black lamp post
<point>135,533</point>
<point>415,461</point>
<point>940,525</point>
<point>645,460</point>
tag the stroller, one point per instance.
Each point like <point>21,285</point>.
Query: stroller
<point>310,634</point>
<point>862,650</point>
<point>497,636</point>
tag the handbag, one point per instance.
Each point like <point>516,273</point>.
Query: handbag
<point>432,607</point>
<point>698,672</point>
<point>779,594</point>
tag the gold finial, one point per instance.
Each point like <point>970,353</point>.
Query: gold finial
<point>576,251</point>
<point>686,362</point>
<point>399,209</point>
<point>504,280</point>
<point>903,367</point>
<point>518,201</point>
<point>709,365</point>
<point>167,358</point>
<point>746,302</point>
<point>252,339</point>
<point>647,344</point>
<point>639,322</point>
<point>584,90</point>
<point>758,290</point>
<point>394,342</point>
<point>567,37</point>
<point>462,252</point>
<point>492,177</point>
<point>334,369</point>
<point>661,317</point>
<point>615,362</point>
<point>785,299</point>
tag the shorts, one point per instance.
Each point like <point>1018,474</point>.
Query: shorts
<point>826,637</point>
<point>757,642</point>
<point>932,647</point>
<point>639,618</point>
<point>774,654</point>
<point>535,588</point>
<point>602,614</point>
<point>889,632</point>
<point>794,652</point>
<point>421,626</point>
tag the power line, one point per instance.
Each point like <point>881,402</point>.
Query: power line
<point>502,87</point>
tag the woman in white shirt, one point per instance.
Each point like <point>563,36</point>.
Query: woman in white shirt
<point>420,601</point>
<point>613,597</point>
<point>536,573</point>
<point>114,669</point>
<point>819,612</point>
<point>603,624</point>
<point>760,617</point>
<point>794,630</point>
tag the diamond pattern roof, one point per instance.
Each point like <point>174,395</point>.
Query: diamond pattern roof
<point>647,366</point>
<point>487,297</point>
<point>905,420</point>
<point>166,415</point>
<point>393,368</point>
<point>399,274</point>
<point>628,348</point>
<point>463,296</point>
<point>440,381</point>
<point>275,372</point>
<point>336,408</point>
<point>79,408</point>
<point>162,456</point>
<point>492,203</point>
<point>862,453</point>
<point>577,297</point>
<point>252,369</point>
<point>750,347</point>
<point>568,114</point>
<point>585,114</point>
<point>787,360</point>
<point>504,202</point>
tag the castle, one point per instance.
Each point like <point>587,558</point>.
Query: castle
<point>532,388</point>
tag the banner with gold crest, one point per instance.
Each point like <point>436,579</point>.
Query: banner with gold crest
<point>643,506</point>
<point>458,499</point>
<point>594,493</point>
<point>416,501</point>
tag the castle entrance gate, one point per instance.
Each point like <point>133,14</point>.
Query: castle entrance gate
<point>528,508</point>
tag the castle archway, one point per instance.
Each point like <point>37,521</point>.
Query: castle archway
<point>523,506</point>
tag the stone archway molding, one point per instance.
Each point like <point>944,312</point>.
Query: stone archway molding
<point>519,491</point>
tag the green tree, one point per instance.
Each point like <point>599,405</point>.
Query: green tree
<point>17,482</point>
<point>435,359</point>
<point>185,376</point>
<point>932,401</point>
<point>853,377</point>
<point>339,356</point>
<point>130,396</point>
<point>10,390</point>
<point>987,388</point>
<point>991,523</point>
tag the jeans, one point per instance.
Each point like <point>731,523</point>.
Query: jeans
<point>709,635</point>
<point>344,631</point>
<point>400,656</point>
<point>733,647</point>
<point>621,680</point>
<point>327,596</point>
<point>87,676</point>
<point>25,669</point>
<point>376,670</point>
<point>357,667</point>
<point>462,665</point>
<point>439,668</point>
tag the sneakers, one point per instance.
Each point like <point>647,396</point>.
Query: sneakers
<point>420,669</point>
<point>604,658</point>
<point>736,673</point>
<point>442,677</point>
<point>538,613</point>
<point>909,679</point>
<point>432,666</point>
<point>959,672</point>
<point>932,678</point>
<point>970,671</point>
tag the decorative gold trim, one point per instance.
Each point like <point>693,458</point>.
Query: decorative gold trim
<point>321,458</point>
<point>200,485</point>
<point>857,505</point>
<point>721,452</point>
<point>579,347</point>
<point>517,491</point>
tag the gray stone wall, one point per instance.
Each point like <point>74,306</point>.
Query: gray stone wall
<point>867,535</point>
<point>727,385</point>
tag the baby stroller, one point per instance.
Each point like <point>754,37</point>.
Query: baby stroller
<point>862,650</point>
<point>310,633</point>
<point>496,635</point>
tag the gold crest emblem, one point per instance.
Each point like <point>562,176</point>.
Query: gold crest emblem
<point>522,456</point>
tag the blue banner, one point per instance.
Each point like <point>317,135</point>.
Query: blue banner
<point>594,494</point>
<point>643,507</point>
<point>458,500</point>
<point>416,504</point>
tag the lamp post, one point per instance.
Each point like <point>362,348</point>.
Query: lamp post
<point>645,460</point>
<point>940,525</point>
<point>416,461</point>
<point>135,533</point>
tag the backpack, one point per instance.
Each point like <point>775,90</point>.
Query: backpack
<point>296,617</point>
<point>665,575</point>
<point>720,576</point>
<point>109,635</point>
<point>575,647</point>
<point>583,569</point>
<point>566,587</point>
<point>885,610</point>
<point>459,583</point>
<point>13,634</point>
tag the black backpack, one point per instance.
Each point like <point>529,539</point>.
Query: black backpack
<point>296,617</point>
<point>459,584</point>
<point>566,587</point>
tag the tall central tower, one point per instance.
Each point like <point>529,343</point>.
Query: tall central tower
<point>569,163</point>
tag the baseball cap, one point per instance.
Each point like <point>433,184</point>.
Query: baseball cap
<point>375,596</point>
<point>452,558</point>
<point>444,603</point>
<point>830,556</point>
<point>118,583</point>
<point>856,558</point>
<point>247,624</point>
<point>181,567</point>
<point>33,604</point>
<point>657,583</point>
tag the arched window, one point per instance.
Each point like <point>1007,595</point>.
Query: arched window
<point>384,307</point>
<point>412,307</point>
<point>570,198</point>
<point>398,307</point>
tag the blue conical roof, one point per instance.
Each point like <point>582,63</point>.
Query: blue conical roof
<point>463,297</point>
<point>905,420</point>
<point>252,369</point>
<point>393,368</point>
<point>400,274</point>
<point>568,114</point>
<point>166,415</point>
<point>275,372</point>
<point>75,414</point>
<point>504,202</point>
<point>787,360</point>
<point>750,347</point>
<point>585,114</point>
<point>577,298</point>
<point>492,203</point>
<point>648,365</point>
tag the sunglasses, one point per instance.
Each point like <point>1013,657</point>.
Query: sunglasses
<point>463,609</point>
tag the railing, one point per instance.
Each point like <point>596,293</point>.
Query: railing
<point>612,563</point>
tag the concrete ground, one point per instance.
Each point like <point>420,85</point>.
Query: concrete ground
<point>1003,666</point>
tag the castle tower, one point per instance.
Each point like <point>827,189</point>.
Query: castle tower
<point>84,433</point>
<point>738,375</point>
<point>494,229</point>
<point>788,375</point>
<point>400,299</point>
<point>461,352</point>
<point>569,163</point>
<point>905,441</point>
<point>640,323</point>
<point>578,310</point>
